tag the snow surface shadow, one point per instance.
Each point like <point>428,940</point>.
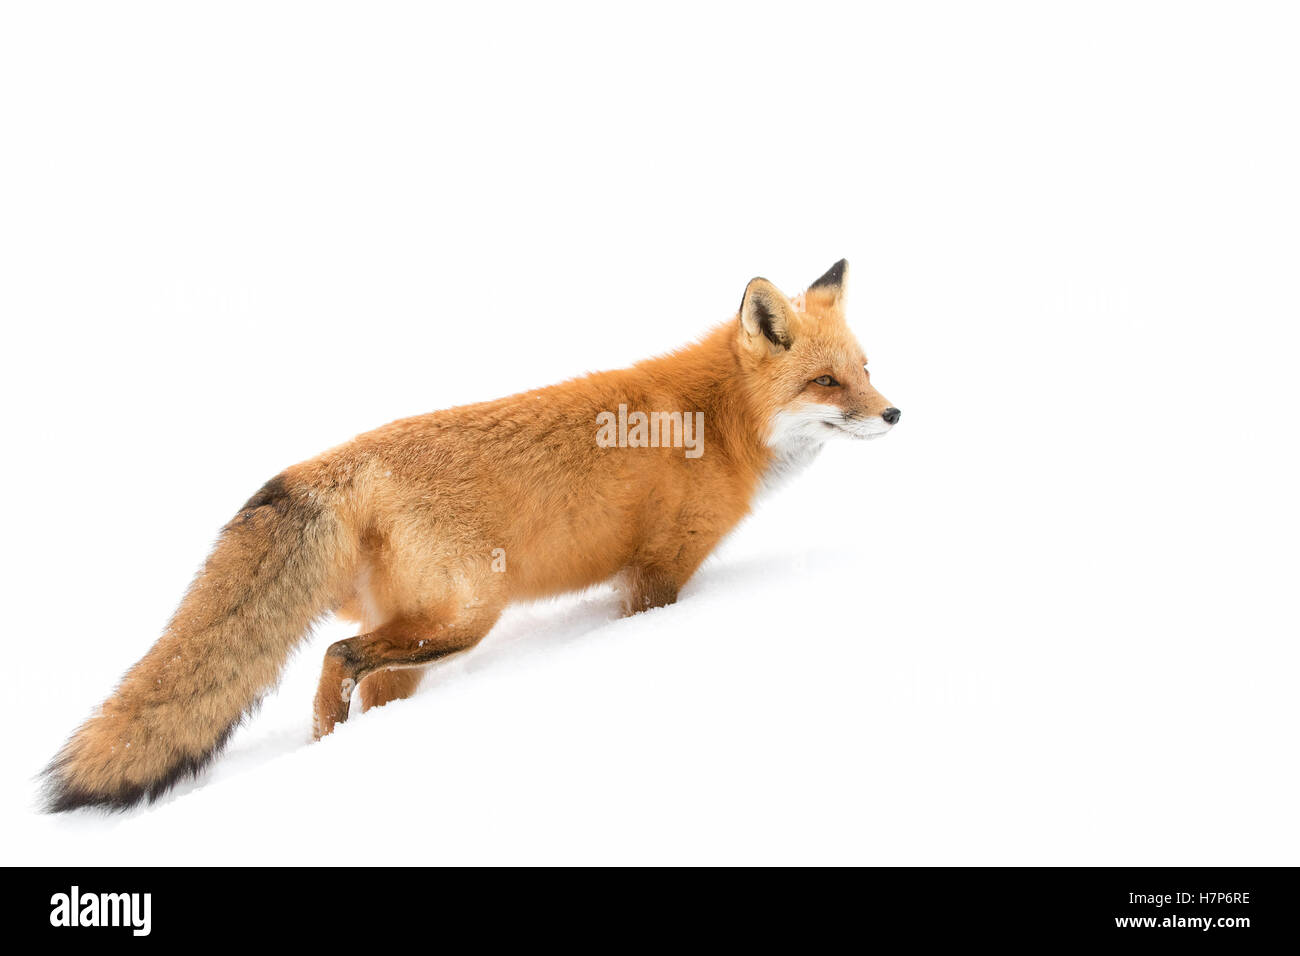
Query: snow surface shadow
<point>537,627</point>
<point>529,629</point>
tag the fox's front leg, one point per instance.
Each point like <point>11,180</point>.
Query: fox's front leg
<point>646,587</point>
<point>655,576</point>
<point>404,643</point>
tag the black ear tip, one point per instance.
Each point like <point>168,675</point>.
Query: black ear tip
<point>834,276</point>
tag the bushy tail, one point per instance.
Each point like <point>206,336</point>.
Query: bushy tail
<point>273,571</point>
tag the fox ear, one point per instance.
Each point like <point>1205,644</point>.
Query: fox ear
<point>765,315</point>
<point>832,283</point>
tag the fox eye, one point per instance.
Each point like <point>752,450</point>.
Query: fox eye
<point>825,380</point>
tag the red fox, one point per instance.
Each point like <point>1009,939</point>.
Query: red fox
<point>423,530</point>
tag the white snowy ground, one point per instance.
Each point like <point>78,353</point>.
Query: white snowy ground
<point>1049,619</point>
<point>851,680</point>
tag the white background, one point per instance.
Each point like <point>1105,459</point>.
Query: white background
<point>1050,619</point>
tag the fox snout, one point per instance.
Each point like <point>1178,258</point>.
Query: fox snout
<point>872,419</point>
<point>865,403</point>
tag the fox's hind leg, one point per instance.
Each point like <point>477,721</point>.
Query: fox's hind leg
<point>385,686</point>
<point>400,644</point>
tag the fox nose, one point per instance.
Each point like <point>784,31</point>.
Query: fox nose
<point>891,415</point>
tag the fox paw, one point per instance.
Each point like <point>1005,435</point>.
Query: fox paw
<point>332,704</point>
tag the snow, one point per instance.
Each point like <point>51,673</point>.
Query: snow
<point>1049,618</point>
<point>918,697</point>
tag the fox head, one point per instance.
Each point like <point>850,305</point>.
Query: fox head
<point>806,372</point>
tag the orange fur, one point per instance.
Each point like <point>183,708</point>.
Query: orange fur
<point>425,529</point>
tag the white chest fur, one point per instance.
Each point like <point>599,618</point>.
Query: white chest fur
<point>795,439</point>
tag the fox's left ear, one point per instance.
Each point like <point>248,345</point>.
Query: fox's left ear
<point>766,317</point>
<point>830,287</point>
